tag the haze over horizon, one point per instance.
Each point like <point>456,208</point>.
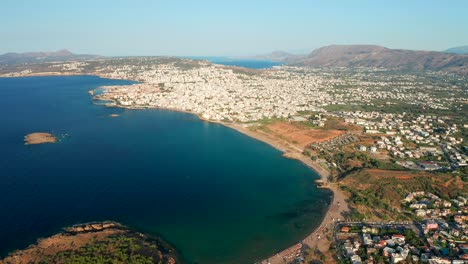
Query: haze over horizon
<point>212,28</point>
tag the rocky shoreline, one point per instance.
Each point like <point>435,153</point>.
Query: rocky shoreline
<point>85,242</point>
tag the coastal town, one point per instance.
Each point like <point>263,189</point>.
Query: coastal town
<point>438,234</point>
<point>234,132</point>
<point>407,129</point>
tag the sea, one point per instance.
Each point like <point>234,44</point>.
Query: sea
<point>215,194</point>
<point>245,63</point>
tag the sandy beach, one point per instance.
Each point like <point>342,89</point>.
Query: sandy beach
<point>335,210</point>
<point>317,239</point>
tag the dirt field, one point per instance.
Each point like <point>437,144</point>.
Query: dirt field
<point>402,175</point>
<point>301,135</point>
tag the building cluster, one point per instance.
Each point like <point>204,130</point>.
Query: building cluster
<point>71,66</point>
<point>428,205</point>
<point>318,119</point>
<point>426,242</point>
<point>336,142</point>
<point>418,141</point>
<point>219,93</point>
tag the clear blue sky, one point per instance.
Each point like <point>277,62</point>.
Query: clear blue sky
<point>235,27</point>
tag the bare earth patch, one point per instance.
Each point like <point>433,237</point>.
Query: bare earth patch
<point>39,138</point>
<point>402,175</point>
<point>301,135</point>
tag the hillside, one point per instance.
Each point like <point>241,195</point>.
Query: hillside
<point>37,57</point>
<point>377,56</point>
<point>377,194</point>
<point>458,50</point>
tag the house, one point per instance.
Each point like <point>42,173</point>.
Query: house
<point>390,242</point>
<point>432,225</point>
<point>421,212</point>
<point>387,252</point>
<point>396,257</point>
<point>418,206</point>
<point>367,239</point>
<point>345,229</point>
<point>356,259</point>
<point>381,244</point>
<point>436,260</point>
<point>428,165</point>
<point>399,239</point>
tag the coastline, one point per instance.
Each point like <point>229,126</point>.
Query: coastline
<point>335,208</point>
<point>73,238</point>
<point>337,205</point>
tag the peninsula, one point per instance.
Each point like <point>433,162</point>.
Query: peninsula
<point>100,242</point>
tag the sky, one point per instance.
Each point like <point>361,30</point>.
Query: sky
<point>227,27</point>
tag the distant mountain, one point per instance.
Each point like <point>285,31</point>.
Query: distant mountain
<point>377,56</point>
<point>36,57</point>
<point>276,56</point>
<point>458,50</point>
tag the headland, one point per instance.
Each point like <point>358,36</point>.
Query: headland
<point>92,242</point>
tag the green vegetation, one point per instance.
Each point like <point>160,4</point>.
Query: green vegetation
<point>377,194</point>
<point>113,249</point>
<point>350,162</point>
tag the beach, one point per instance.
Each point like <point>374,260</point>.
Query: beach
<point>338,205</point>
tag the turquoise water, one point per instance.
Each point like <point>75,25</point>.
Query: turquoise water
<point>215,194</point>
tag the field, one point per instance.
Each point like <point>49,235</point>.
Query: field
<point>377,194</point>
<point>401,175</point>
<point>301,135</point>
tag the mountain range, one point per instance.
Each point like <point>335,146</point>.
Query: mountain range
<point>329,56</point>
<point>36,57</point>
<point>378,56</point>
<point>458,50</point>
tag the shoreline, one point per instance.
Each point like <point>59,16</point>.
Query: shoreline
<point>337,205</point>
<point>335,208</point>
<point>75,237</point>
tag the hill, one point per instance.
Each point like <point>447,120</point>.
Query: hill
<point>458,50</point>
<point>37,57</point>
<point>377,56</point>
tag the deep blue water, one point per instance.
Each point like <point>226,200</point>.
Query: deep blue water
<point>215,194</point>
<point>251,64</point>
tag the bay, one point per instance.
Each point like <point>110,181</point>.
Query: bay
<point>217,195</point>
